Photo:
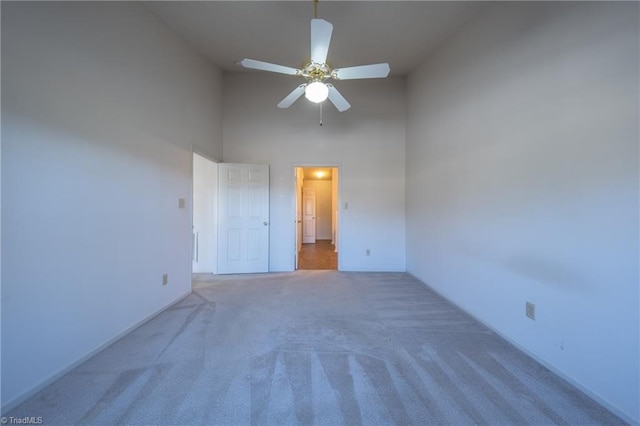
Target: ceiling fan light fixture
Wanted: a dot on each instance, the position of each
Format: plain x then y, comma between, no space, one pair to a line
316,70
316,92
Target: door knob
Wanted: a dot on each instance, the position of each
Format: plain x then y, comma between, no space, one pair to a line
265,223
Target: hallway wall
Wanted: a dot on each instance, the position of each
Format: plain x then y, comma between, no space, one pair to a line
522,184
101,105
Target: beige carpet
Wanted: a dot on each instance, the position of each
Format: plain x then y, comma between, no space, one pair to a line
312,347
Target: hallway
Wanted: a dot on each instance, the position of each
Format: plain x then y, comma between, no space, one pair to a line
320,255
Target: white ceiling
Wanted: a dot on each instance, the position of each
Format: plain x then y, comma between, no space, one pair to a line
401,33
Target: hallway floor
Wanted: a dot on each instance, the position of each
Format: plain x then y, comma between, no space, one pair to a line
312,347
320,255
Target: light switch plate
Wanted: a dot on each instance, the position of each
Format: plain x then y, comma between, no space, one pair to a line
531,310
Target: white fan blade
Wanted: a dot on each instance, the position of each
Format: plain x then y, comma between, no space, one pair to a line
320,39
337,99
362,71
292,97
266,66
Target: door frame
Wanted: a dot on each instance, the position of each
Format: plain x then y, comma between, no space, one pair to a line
296,199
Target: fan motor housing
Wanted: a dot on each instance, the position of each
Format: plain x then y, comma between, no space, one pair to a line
316,72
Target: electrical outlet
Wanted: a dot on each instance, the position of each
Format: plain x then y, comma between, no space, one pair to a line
368,252
531,310
165,279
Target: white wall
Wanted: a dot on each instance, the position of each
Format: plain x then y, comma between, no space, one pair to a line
522,184
367,142
323,207
100,108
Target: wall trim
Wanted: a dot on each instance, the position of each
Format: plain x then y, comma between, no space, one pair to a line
538,358
54,377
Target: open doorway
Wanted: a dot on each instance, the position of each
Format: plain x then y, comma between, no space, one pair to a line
316,212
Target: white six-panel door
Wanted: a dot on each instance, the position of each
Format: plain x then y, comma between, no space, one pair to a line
308,215
243,242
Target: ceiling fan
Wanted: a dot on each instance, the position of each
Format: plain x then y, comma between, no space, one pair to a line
317,71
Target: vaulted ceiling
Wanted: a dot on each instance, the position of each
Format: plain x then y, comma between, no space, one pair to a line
401,33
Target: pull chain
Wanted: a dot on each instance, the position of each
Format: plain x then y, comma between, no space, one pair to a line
321,113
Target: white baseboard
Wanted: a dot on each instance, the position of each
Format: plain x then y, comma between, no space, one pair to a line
590,393
28,394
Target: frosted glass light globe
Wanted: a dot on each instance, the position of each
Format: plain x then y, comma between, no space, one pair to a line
316,92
